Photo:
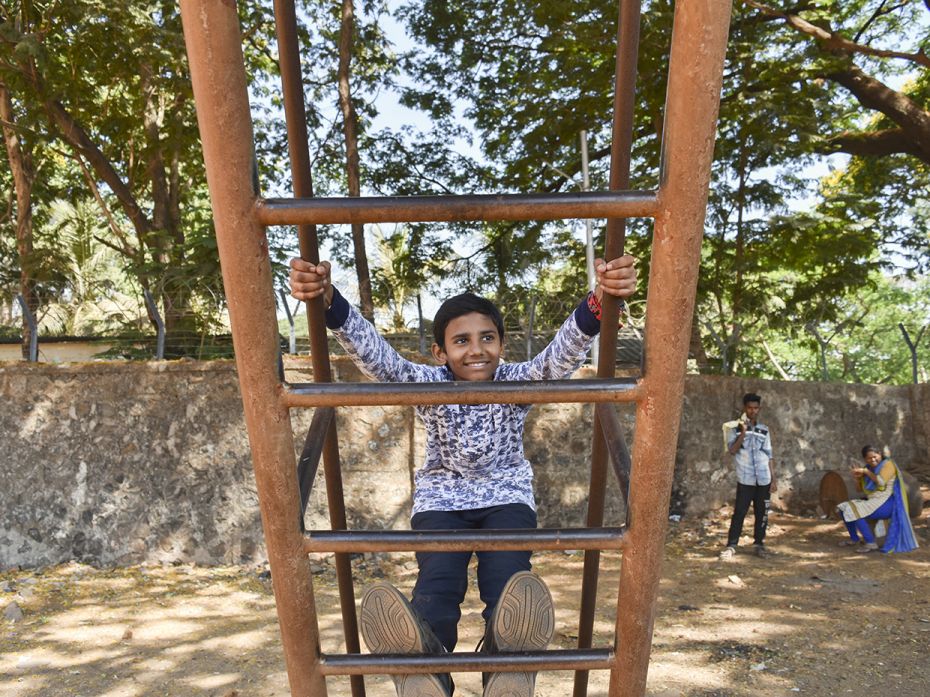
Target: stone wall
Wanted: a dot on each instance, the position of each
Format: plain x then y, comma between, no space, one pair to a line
113,463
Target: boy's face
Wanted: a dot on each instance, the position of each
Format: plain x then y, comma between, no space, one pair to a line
473,347
752,410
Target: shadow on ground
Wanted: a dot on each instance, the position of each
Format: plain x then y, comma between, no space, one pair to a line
799,622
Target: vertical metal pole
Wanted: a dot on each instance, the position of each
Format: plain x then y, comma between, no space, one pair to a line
421,329
621,144
212,35
699,41
588,232
299,152
530,322
589,235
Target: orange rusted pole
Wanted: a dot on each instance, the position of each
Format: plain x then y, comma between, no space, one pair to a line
214,49
699,43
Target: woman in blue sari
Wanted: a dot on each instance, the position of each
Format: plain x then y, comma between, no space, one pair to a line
885,504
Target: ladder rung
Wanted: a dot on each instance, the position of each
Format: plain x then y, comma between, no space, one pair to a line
423,209
463,540
366,394
396,664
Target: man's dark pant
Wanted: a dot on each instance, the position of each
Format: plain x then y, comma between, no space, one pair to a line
758,495
443,576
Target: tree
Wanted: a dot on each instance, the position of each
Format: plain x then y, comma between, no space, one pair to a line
19,156
866,30
859,48
350,127
407,263
127,118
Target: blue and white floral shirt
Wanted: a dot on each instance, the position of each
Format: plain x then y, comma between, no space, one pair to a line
474,453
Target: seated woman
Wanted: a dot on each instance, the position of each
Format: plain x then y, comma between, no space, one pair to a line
885,503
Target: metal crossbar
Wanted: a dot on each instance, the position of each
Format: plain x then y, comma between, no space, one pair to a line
214,46
367,394
463,540
399,663
457,207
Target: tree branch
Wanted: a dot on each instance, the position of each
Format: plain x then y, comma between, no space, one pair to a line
835,42
871,144
874,94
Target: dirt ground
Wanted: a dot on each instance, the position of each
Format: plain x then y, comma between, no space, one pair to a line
813,619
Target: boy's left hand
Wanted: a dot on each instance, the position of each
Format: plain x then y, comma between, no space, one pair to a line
616,277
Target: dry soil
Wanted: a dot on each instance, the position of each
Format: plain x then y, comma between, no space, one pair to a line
813,619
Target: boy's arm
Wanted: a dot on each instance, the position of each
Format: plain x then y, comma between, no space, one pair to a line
737,442
567,351
368,349
355,334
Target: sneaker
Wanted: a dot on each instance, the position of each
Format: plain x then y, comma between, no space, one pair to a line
868,547
761,551
523,620
728,553
389,624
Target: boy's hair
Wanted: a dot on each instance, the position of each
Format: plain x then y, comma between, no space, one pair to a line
464,304
866,449
751,397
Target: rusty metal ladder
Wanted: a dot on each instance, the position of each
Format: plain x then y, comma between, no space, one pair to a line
214,47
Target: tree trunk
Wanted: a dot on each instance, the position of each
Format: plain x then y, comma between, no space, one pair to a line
696,345
23,178
350,128
166,240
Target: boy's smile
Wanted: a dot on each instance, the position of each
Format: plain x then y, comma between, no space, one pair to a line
472,348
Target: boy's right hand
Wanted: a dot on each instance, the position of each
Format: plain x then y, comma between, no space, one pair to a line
310,280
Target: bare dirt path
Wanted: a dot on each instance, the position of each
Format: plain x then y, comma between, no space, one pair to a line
813,619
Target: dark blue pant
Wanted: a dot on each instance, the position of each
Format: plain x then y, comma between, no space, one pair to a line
758,496
443,576
862,526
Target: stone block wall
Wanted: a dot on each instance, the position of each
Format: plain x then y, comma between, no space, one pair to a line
115,463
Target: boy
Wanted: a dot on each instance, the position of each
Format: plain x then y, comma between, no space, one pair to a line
750,443
475,475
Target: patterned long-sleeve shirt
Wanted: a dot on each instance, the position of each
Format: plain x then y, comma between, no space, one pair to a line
474,453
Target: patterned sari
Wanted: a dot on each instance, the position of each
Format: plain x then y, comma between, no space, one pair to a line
899,533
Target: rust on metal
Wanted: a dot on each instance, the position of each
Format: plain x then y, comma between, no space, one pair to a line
699,41
620,155
364,394
309,459
214,49
463,540
218,75
299,151
399,663
423,209
616,446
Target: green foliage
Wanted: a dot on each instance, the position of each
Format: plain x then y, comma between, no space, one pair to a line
508,86
862,341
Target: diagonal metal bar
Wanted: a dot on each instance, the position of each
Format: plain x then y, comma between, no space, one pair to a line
465,662
425,209
462,540
412,393
310,456
616,446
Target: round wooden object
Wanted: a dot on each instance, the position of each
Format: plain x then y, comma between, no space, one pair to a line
837,486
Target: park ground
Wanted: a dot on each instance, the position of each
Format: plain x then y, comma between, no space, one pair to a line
812,619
